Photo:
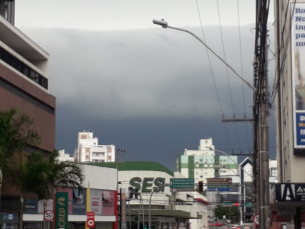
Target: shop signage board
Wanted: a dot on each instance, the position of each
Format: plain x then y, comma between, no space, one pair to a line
287,192
61,213
91,219
181,184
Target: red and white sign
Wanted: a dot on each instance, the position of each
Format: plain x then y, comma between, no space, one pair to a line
48,215
256,219
90,219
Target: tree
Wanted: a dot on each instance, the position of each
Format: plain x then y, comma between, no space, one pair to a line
231,212
15,135
40,174
31,172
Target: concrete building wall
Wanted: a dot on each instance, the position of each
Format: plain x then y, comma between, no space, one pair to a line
290,165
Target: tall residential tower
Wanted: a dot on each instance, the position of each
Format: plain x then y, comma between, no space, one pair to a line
88,149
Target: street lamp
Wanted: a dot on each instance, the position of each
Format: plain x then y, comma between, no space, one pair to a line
165,25
210,148
149,211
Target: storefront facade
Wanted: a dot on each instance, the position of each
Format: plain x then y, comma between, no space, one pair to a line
98,196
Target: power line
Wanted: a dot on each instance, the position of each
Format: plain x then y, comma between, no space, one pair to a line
212,74
242,73
227,74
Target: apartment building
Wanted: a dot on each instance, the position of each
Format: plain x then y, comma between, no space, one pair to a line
204,163
88,149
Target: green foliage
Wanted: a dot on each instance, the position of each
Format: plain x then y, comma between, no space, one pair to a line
15,135
230,212
34,172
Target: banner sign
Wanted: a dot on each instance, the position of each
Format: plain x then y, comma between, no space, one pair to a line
123,208
286,192
91,219
298,73
79,201
61,214
96,201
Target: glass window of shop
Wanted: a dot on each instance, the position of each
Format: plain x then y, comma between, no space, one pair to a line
9,220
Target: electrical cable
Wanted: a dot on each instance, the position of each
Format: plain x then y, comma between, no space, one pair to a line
212,74
227,74
242,73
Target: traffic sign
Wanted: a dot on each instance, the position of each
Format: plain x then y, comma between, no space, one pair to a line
256,219
48,215
248,204
181,184
219,186
219,181
227,203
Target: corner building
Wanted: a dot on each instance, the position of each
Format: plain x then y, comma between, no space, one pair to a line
23,85
287,200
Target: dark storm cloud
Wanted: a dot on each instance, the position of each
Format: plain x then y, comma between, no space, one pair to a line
148,91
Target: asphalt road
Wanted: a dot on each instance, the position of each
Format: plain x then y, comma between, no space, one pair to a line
228,226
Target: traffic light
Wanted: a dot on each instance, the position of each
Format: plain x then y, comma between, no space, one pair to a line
236,204
145,226
200,186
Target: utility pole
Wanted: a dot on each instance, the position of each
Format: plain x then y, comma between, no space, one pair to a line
261,113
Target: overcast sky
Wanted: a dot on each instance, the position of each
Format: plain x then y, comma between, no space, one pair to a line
148,90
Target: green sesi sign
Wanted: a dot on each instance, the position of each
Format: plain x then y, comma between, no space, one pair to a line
61,211
148,183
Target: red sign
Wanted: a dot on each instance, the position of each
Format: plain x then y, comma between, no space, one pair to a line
256,219
48,215
90,219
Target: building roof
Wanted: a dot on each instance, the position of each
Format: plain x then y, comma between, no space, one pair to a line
19,42
135,165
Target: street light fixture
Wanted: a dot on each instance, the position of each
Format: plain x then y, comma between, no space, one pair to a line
165,25
238,165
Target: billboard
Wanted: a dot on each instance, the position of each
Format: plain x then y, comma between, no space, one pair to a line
298,73
96,201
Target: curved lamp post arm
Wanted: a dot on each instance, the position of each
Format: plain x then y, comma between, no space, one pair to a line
231,160
165,25
149,211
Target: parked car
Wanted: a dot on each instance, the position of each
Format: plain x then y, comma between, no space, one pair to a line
218,224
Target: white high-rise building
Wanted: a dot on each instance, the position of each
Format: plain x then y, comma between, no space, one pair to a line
62,156
88,149
204,163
